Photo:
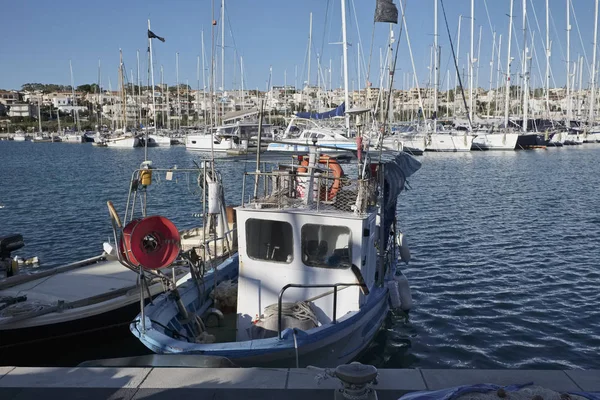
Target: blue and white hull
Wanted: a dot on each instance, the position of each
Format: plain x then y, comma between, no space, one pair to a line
327,345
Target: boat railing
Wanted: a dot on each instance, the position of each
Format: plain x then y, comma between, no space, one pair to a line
227,244
292,189
334,286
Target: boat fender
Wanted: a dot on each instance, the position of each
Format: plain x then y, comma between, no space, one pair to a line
404,289
403,247
394,294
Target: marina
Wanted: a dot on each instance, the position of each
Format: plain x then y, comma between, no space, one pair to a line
362,233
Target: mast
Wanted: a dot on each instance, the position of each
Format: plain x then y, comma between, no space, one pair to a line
153,96
122,92
57,117
203,80
345,48
197,96
548,58
40,112
508,62
162,98
478,62
525,70
498,74
222,56
309,48
100,100
471,61
243,96
568,62
456,61
74,98
435,64
133,95
139,84
491,70
593,79
178,100
580,94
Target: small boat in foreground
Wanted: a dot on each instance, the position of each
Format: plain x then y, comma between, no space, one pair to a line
314,277
94,300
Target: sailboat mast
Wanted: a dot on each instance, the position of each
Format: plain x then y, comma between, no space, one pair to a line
309,49
162,98
153,94
435,64
525,70
456,62
242,94
508,62
74,98
496,110
568,63
345,48
580,95
548,59
491,70
203,80
139,94
593,78
178,100
471,60
123,92
133,95
100,99
223,56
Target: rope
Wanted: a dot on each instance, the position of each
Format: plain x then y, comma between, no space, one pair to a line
300,311
23,308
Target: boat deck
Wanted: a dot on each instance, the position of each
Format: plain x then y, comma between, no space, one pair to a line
255,383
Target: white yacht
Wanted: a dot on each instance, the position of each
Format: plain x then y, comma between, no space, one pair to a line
302,132
157,140
228,138
72,137
456,140
21,136
495,141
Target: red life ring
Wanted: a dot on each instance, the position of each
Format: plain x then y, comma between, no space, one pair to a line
150,243
335,168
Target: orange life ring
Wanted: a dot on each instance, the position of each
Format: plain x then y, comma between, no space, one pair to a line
335,168
150,243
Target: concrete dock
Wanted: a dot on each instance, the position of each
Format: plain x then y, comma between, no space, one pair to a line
256,383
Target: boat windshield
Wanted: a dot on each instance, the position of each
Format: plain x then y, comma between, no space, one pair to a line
269,240
326,246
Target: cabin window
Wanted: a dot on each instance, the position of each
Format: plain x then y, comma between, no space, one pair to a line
269,240
326,246
193,142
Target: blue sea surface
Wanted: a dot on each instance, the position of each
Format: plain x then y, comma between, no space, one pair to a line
505,268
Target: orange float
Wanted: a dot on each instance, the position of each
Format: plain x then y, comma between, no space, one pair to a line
150,243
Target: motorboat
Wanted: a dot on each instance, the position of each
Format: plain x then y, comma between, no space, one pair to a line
301,133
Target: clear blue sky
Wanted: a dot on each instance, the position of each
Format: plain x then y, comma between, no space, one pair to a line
40,38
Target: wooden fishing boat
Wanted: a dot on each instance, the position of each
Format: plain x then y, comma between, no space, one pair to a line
315,274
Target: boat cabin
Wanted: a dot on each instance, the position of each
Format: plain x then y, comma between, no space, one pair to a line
289,236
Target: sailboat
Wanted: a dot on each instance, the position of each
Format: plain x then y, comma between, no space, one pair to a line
453,140
122,138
